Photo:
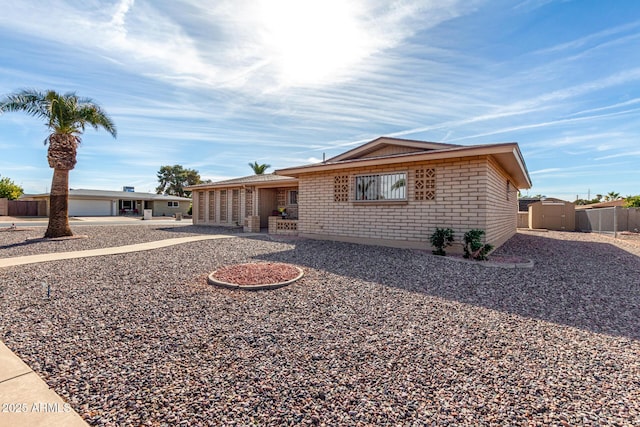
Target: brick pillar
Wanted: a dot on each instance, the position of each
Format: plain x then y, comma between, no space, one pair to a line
273,228
252,224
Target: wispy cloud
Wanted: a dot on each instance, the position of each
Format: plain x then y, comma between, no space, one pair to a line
215,85
590,39
632,153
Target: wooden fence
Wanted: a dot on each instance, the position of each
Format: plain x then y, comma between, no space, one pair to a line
23,207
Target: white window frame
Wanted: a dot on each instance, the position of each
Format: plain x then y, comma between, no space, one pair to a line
173,204
380,180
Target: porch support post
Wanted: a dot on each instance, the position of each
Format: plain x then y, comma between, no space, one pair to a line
252,224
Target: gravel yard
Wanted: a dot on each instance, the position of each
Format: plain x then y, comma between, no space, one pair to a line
369,336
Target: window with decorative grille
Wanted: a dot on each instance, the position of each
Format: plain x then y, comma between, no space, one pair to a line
390,186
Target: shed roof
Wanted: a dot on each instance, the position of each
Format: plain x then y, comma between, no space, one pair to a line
524,202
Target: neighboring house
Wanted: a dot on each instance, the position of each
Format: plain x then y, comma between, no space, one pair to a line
389,191
113,203
607,204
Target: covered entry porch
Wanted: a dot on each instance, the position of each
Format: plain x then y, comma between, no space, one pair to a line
253,202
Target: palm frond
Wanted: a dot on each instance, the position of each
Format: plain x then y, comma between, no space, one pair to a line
30,101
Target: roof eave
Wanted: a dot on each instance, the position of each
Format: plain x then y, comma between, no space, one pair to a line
502,152
257,184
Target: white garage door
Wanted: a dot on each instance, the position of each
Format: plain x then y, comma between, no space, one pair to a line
89,207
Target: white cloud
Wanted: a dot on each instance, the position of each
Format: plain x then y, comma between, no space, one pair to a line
262,44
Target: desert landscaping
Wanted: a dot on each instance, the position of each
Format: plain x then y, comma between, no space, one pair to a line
369,336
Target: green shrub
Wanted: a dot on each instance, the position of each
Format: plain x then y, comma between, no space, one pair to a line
473,247
441,238
632,202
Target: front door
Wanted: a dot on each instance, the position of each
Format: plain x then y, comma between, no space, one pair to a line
268,202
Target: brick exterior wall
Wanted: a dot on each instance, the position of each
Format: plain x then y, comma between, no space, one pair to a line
502,199
470,193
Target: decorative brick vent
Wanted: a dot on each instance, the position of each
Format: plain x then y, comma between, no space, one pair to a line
212,206
223,205
235,206
425,184
248,201
201,205
341,188
287,225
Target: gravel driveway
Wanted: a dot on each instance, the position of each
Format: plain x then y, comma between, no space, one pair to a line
370,335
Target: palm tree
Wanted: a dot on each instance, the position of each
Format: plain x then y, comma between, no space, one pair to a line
66,117
259,169
611,195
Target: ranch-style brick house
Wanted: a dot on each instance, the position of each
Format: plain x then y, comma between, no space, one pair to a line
389,191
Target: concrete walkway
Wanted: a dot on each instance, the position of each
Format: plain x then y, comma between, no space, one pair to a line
56,256
25,399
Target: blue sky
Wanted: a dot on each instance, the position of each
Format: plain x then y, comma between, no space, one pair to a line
214,85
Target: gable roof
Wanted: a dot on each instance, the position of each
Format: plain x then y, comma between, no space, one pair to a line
524,202
508,155
400,145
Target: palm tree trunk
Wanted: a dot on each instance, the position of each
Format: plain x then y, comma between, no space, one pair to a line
59,205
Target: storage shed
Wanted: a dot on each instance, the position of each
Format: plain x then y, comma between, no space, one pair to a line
552,214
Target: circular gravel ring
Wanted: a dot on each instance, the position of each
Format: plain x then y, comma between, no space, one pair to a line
263,286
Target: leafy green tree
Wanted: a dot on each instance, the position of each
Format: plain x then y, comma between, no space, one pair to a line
66,116
173,179
632,202
259,169
9,189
